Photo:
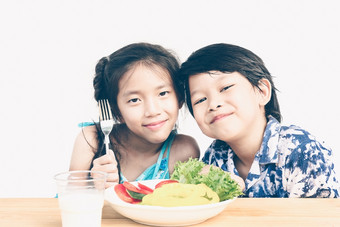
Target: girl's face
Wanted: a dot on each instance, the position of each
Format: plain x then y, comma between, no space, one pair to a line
147,102
225,105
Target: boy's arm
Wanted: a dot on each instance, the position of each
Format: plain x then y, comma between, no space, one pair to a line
312,174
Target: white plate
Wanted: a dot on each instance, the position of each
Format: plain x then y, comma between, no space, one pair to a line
163,216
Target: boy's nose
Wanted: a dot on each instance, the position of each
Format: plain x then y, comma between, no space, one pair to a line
212,108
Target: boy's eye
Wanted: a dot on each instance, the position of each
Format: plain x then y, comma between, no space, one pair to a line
226,88
163,93
133,100
200,100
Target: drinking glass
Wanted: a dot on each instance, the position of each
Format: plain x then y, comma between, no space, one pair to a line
81,197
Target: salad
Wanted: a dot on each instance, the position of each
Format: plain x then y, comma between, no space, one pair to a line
219,181
214,185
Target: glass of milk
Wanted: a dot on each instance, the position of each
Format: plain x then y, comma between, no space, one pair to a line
81,197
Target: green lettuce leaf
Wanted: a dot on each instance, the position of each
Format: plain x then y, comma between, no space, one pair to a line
218,180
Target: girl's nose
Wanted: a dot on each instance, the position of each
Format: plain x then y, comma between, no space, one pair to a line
152,108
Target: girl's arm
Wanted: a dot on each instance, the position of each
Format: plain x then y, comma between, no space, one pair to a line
84,150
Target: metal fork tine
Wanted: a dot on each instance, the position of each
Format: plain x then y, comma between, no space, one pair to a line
104,110
107,110
106,120
100,110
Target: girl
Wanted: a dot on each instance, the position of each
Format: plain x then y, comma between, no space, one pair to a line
233,99
138,80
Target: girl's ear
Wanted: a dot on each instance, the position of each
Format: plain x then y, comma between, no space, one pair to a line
121,119
265,89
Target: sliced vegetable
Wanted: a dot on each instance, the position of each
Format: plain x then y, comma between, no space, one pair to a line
165,182
142,186
124,195
136,195
133,188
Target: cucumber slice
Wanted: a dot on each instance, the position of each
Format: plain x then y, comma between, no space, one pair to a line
135,195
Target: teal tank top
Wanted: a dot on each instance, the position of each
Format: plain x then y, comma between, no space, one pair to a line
159,170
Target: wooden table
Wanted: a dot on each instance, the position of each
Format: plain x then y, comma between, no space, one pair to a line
242,212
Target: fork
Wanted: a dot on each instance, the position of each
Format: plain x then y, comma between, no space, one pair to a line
106,120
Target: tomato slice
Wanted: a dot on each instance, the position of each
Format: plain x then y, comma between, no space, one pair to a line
133,188
142,186
165,182
124,195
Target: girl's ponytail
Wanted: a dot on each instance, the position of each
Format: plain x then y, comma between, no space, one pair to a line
99,81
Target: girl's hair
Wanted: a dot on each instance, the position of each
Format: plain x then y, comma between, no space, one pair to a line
229,58
109,70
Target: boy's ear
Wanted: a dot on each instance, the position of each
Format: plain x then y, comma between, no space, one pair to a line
265,89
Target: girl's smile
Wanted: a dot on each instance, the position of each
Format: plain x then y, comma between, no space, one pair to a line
155,125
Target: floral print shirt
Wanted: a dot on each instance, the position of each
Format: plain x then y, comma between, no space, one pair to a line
290,163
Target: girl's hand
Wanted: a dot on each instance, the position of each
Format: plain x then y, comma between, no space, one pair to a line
239,180
107,163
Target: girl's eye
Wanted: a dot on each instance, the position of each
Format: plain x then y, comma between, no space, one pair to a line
199,101
163,93
133,100
226,88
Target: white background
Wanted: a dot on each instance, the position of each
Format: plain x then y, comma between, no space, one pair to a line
48,51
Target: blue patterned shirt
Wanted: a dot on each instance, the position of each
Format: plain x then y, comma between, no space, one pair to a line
290,163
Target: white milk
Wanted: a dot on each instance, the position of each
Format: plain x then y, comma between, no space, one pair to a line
81,209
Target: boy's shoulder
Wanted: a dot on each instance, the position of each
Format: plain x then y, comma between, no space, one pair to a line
293,130
291,134
297,135
297,141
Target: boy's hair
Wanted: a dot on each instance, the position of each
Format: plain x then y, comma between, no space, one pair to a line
229,58
109,70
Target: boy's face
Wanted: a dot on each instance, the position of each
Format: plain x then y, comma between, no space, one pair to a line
226,106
